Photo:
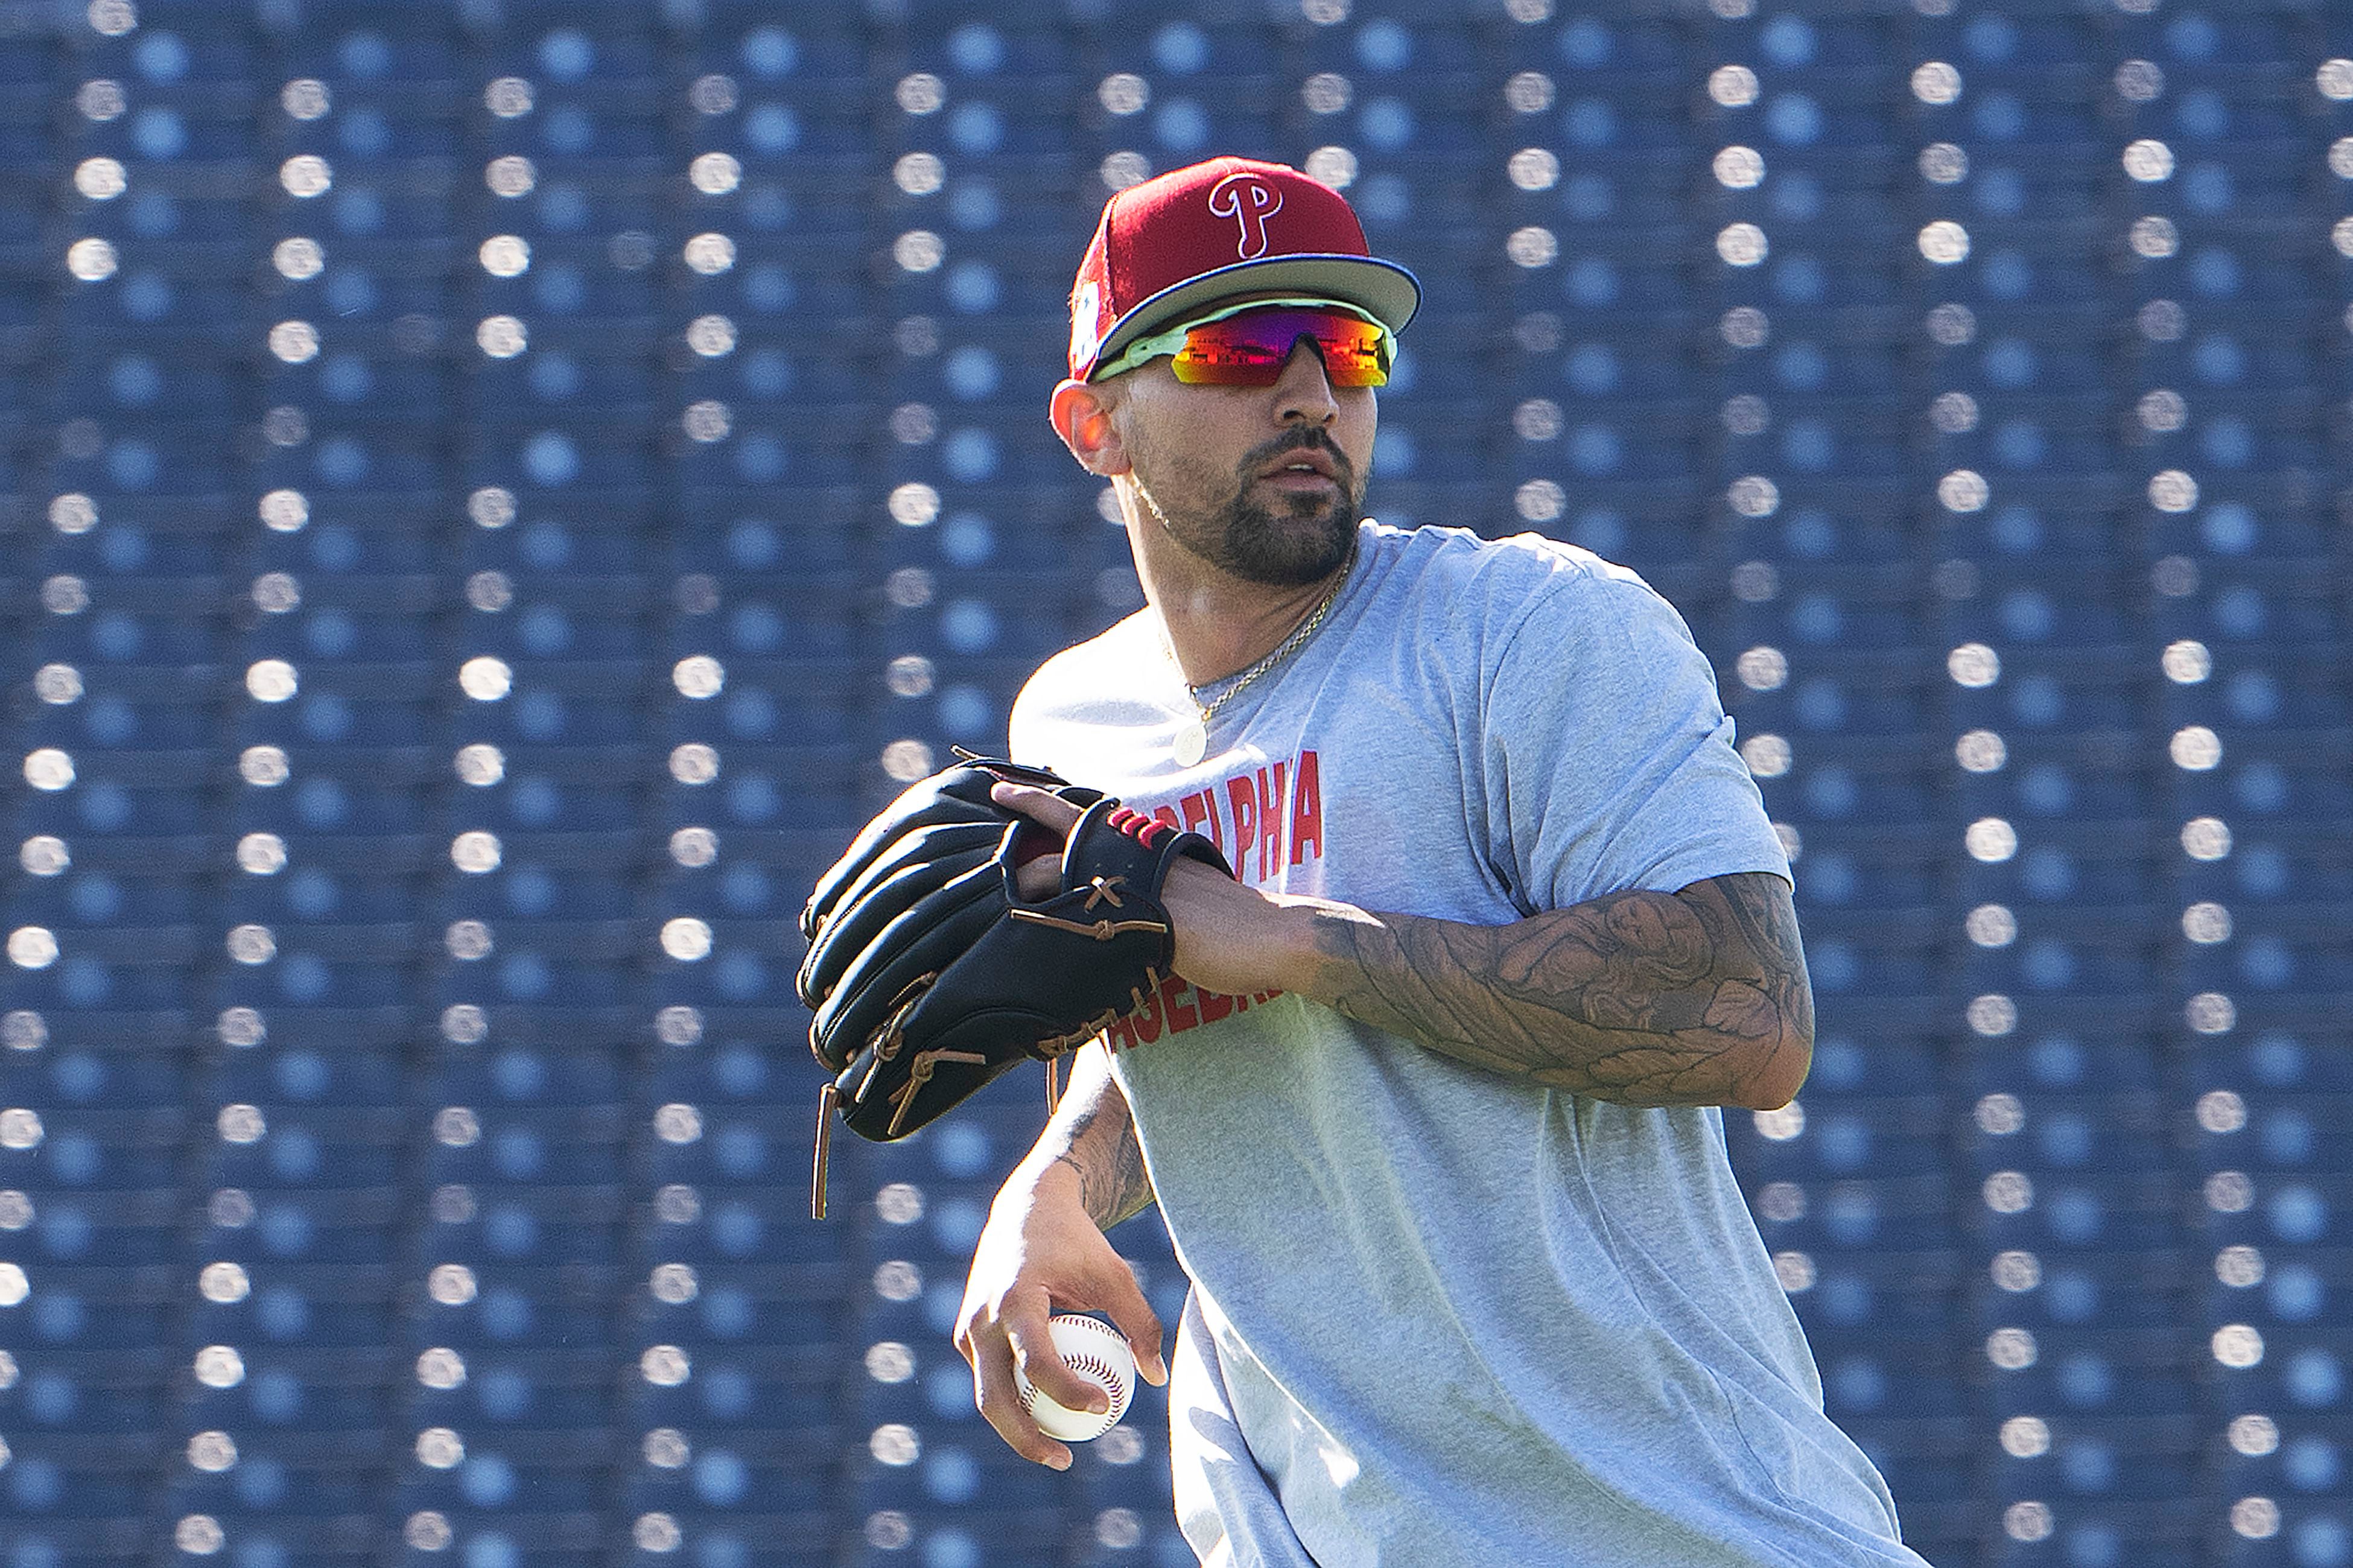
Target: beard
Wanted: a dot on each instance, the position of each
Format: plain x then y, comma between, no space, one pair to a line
1299,540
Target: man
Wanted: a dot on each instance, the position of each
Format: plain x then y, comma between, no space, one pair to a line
1432,1115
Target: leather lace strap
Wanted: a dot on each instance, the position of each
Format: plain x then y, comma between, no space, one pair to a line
918,1073
824,1148
1101,931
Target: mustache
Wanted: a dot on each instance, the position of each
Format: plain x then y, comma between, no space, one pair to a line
1303,438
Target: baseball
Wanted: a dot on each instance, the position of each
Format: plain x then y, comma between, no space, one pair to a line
1094,1349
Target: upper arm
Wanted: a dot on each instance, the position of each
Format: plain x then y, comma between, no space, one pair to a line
1610,762
1753,925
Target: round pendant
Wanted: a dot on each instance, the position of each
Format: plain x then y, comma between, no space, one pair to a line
1192,743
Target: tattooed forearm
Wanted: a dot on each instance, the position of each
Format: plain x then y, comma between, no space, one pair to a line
1095,1134
1692,998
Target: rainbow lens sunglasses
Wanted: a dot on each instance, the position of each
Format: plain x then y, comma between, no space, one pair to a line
1248,345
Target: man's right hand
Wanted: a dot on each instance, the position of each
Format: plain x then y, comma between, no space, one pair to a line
1040,1254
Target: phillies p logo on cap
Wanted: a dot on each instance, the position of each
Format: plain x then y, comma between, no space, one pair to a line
1248,197
1196,237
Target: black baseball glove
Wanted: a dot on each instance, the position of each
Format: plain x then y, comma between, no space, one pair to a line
931,975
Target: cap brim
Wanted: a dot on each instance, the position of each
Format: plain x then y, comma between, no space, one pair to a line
1383,289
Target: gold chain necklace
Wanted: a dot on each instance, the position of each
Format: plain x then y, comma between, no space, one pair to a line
1192,740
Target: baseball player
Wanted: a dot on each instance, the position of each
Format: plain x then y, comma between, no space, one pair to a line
1433,1114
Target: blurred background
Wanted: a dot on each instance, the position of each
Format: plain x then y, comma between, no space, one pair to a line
495,492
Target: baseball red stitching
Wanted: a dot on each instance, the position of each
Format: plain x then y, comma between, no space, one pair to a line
1111,1381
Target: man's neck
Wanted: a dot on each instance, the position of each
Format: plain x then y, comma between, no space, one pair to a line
1217,624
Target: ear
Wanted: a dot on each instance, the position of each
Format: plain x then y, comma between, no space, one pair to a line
1081,416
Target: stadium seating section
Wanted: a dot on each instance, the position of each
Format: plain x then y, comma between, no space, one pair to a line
496,489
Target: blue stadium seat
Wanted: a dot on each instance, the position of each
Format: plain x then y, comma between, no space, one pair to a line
762,1474
2299,1371
714,447
1876,874
2262,1060
1846,1137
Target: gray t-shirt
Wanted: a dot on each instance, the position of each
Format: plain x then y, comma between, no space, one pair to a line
1441,1318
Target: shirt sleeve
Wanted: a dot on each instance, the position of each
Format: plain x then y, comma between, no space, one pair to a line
1608,757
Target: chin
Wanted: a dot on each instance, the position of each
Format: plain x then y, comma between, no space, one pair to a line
1289,550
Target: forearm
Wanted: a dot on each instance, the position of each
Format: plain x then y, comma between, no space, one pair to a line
1092,1137
1645,998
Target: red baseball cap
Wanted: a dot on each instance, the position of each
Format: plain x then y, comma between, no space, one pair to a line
1195,235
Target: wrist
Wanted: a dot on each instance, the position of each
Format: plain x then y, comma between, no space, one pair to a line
1282,947
1042,1171
1231,938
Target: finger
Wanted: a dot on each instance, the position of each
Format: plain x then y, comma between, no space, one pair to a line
1133,1316
1041,806
1000,1402
964,1340
1034,1353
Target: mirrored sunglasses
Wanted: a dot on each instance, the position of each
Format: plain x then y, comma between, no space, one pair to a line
1248,345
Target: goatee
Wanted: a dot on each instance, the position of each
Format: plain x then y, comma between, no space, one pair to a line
1304,539
1304,544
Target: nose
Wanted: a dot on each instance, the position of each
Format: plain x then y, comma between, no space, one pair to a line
1303,393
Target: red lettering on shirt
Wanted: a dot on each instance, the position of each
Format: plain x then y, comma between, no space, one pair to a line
1178,1006
1270,821
1175,1006
1201,812
1269,809
1243,798
1306,809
